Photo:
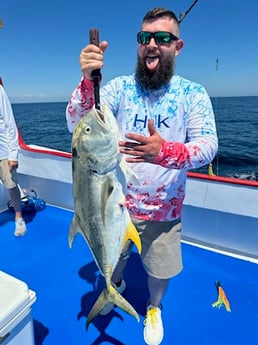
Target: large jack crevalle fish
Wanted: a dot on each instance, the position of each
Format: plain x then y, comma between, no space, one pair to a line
101,216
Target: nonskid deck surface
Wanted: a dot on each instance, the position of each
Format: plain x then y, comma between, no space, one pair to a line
67,284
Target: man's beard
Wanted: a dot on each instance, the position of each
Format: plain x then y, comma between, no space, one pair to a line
153,80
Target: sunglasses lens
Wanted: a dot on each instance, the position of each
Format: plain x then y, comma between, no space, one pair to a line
162,37
143,37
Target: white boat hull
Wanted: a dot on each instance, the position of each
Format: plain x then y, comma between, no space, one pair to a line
221,213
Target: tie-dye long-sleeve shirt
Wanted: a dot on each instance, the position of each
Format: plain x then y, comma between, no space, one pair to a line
184,118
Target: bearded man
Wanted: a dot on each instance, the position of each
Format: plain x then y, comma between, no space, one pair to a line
168,127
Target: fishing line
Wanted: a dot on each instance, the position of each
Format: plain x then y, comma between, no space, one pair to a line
216,110
212,276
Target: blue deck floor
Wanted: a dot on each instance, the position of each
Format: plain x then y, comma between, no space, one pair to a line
66,283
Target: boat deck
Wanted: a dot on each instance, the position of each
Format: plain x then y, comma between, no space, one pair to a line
67,283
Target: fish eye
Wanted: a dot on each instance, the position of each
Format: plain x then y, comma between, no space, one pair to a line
87,130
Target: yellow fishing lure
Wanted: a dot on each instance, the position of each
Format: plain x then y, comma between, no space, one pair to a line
222,298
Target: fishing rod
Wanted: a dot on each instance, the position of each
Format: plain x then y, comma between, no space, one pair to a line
94,39
184,14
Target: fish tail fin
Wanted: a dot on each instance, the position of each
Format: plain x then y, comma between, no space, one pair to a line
110,295
133,235
73,231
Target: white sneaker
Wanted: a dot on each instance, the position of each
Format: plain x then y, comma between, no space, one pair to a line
20,227
110,306
153,328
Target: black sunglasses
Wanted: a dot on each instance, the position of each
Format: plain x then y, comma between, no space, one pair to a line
160,37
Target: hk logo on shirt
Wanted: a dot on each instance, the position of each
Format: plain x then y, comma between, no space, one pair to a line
159,122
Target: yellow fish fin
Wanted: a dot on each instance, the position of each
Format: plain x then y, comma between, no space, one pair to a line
133,235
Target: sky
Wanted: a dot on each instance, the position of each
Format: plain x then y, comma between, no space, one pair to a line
41,40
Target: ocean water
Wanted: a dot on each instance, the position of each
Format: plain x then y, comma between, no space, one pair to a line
44,124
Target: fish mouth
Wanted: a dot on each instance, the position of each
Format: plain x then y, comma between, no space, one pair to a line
101,116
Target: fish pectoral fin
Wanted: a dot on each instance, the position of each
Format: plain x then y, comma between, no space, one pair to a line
74,229
110,295
130,175
133,235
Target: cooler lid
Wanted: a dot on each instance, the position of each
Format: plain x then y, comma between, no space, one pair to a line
14,296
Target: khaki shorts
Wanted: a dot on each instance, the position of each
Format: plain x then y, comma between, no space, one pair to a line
161,247
9,179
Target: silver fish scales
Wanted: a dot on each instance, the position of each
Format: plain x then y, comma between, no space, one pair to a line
101,216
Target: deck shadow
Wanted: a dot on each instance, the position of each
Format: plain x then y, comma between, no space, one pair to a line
40,332
8,216
136,294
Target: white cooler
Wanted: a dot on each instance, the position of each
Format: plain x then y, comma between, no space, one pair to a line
16,323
